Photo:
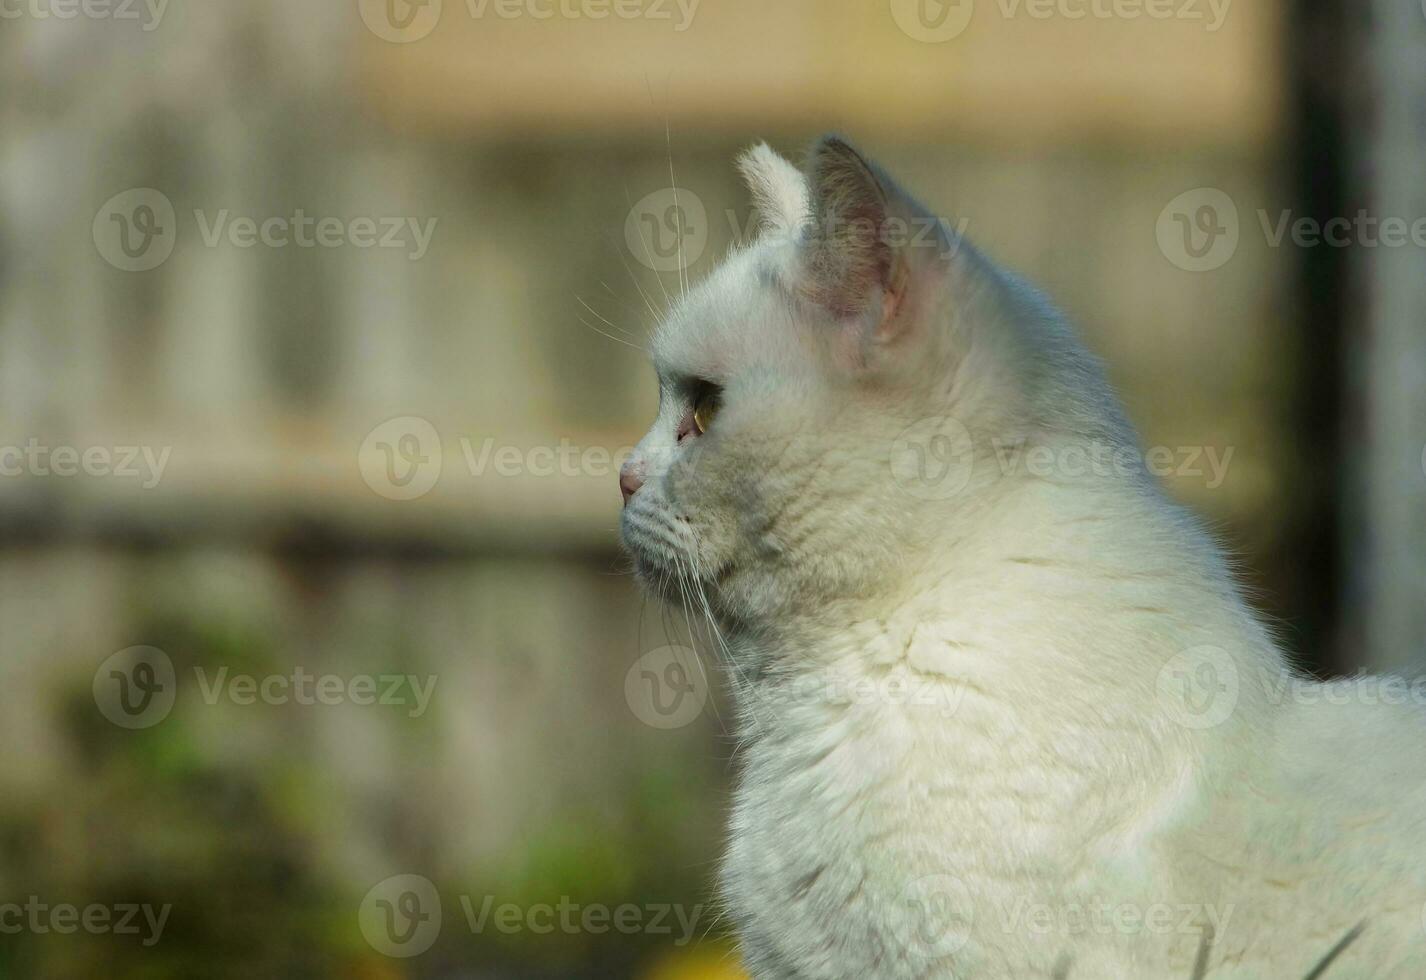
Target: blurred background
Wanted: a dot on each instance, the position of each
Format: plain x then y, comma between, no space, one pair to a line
319,330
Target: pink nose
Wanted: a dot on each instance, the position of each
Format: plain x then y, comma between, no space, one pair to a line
629,483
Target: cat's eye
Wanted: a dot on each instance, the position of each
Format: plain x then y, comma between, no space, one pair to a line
706,402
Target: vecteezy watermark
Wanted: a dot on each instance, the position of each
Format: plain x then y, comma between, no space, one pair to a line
137,230
678,12
401,458
1078,460
667,688
935,21
405,21
932,21
942,915
563,459
573,918
302,230
1200,230
1109,918
1064,968
668,230
147,13
1370,689
914,691
401,917
120,919
936,457
35,459
1362,230
400,21
137,687
1210,13
410,691
1198,688
933,459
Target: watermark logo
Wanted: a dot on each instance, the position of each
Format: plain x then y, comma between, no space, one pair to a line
1199,231
667,230
1211,13
683,10
401,459
935,21
401,916
120,919
1362,230
666,688
35,459
932,21
136,687
302,230
1107,918
149,13
136,230
934,458
409,691
571,918
400,21
1369,689
900,689
942,915
1082,460
1198,688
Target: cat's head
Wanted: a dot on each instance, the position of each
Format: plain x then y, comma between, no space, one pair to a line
822,386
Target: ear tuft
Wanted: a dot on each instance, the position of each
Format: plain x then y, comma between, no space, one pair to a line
849,261
779,190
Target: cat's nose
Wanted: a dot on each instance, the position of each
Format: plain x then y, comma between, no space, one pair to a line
629,482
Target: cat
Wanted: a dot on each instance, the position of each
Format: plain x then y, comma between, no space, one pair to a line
993,720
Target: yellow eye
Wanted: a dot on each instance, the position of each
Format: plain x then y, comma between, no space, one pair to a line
705,407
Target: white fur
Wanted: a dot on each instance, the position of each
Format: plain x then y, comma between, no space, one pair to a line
973,699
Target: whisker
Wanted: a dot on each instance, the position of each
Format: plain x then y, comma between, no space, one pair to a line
668,301
677,207
642,295
625,303
602,318
605,320
1337,950
610,336
687,618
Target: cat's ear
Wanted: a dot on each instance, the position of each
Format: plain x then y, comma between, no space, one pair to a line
854,262
779,190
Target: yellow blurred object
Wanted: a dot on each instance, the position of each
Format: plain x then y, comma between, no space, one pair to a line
707,962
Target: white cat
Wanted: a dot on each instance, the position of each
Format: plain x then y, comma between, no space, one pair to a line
1003,712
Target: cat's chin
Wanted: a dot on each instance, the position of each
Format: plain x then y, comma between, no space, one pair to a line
664,581
671,580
